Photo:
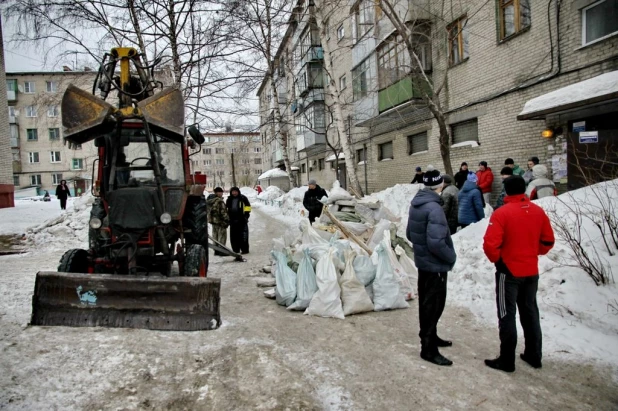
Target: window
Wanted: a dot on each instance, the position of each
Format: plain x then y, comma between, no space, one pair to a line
54,156
394,59
33,157
245,161
207,162
52,111
514,16
77,164
465,131
29,87
16,181
11,85
303,168
206,150
385,151
77,146
359,80
54,133
221,173
31,111
363,17
245,172
220,161
257,161
599,20
257,171
458,41
52,86
56,178
417,143
332,165
11,111
309,38
342,82
257,149
32,134
35,179
360,155
340,32
219,150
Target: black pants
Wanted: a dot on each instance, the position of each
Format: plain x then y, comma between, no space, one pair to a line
313,215
239,236
453,228
63,203
514,293
431,301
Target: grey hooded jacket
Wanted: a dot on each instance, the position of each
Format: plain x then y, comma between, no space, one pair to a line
540,186
429,233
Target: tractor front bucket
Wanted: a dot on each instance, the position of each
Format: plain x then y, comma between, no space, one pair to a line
165,113
85,116
102,300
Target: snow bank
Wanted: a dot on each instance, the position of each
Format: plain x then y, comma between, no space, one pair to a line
271,193
397,199
248,192
28,213
273,173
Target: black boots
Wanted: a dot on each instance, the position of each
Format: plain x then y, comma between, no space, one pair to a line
500,364
436,358
443,343
531,362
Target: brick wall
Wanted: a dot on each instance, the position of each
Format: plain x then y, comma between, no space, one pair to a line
6,169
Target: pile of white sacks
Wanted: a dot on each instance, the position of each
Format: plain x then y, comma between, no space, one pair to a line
334,277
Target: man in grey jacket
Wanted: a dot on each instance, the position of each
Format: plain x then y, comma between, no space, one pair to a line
434,256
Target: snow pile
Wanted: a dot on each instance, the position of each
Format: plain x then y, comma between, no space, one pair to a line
397,200
271,193
28,213
273,173
68,230
292,202
248,192
576,317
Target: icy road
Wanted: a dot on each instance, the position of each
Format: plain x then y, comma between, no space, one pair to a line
265,357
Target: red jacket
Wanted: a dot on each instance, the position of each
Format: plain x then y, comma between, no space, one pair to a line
517,234
486,179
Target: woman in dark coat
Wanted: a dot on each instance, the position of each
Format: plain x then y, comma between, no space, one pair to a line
62,192
461,175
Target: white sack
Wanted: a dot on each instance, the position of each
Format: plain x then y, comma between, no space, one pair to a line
338,193
405,286
364,269
306,284
309,235
378,233
407,263
353,295
356,228
386,293
286,280
326,302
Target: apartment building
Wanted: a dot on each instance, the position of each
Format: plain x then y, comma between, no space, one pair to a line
6,173
230,158
488,60
40,156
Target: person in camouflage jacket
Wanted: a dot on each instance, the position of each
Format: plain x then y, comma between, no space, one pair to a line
218,217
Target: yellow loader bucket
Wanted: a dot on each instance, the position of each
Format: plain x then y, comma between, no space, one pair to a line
102,300
85,116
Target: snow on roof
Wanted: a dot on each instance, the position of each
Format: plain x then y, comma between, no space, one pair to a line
332,157
596,89
275,172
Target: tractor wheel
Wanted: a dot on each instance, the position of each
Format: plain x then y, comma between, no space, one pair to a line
74,261
196,262
196,219
97,211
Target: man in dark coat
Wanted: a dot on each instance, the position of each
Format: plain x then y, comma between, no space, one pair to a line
434,256
462,175
517,271
311,201
505,173
239,210
62,193
418,177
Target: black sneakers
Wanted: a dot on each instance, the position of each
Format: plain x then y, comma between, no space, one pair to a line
531,362
436,358
498,364
443,343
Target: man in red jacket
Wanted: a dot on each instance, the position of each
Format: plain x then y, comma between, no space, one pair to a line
517,234
485,180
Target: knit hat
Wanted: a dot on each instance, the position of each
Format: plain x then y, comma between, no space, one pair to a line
472,177
509,161
418,169
234,189
506,171
483,163
312,182
514,185
447,179
432,177
218,190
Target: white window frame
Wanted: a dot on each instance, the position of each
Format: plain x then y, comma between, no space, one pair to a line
34,157
340,32
16,181
51,86
57,134
35,179
257,149
56,178
219,150
29,87
52,111
80,161
220,161
584,10
31,111
36,133
11,111
55,157
342,82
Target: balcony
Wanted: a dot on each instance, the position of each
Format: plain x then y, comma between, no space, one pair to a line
16,167
278,156
397,93
315,53
12,119
310,142
14,142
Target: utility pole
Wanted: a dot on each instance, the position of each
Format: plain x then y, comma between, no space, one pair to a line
233,172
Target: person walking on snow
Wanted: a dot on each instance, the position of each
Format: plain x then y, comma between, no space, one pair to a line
311,200
517,234
485,180
62,193
218,217
450,203
239,210
532,161
540,186
517,170
462,175
470,203
434,256
505,173
418,177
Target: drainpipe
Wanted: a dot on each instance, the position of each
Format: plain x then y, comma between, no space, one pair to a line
365,166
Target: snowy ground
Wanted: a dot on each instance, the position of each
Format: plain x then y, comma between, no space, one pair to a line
265,357
28,213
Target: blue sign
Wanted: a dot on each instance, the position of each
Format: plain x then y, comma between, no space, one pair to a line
579,126
586,137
